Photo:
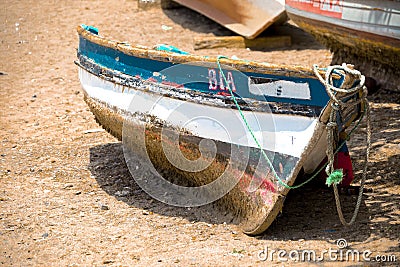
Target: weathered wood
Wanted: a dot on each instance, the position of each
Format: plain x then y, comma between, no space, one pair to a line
245,17
163,56
209,42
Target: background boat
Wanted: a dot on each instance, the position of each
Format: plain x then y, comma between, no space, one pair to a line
363,33
248,18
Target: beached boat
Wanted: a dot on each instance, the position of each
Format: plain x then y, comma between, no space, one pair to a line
248,18
198,129
366,33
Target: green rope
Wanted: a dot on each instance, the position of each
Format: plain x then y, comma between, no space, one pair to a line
335,177
262,150
249,127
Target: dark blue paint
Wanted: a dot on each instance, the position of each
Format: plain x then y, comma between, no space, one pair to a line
193,77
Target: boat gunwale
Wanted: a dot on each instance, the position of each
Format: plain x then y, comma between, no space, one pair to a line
176,58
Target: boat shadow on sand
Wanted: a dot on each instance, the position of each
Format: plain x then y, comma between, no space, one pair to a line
309,212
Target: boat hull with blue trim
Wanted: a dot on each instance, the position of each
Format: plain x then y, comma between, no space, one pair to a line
365,33
167,106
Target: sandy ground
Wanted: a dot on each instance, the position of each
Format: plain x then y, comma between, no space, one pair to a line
67,198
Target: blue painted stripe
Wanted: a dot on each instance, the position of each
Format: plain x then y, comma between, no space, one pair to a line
192,76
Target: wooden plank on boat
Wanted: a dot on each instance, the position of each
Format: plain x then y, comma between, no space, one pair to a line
209,42
247,18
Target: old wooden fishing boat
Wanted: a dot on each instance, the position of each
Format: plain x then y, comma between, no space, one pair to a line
248,18
198,129
366,33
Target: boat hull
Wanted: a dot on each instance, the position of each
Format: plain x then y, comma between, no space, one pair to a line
187,143
253,209
365,33
253,212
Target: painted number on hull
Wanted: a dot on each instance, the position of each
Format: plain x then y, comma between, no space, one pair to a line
330,8
331,5
216,81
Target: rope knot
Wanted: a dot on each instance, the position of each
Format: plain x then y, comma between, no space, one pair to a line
336,105
331,124
335,177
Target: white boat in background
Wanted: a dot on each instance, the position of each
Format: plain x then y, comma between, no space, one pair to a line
363,32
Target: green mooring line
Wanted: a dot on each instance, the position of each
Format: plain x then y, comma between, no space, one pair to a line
262,150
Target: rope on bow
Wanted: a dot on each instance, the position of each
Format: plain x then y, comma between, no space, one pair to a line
337,105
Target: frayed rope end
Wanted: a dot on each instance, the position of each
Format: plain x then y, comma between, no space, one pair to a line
335,177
